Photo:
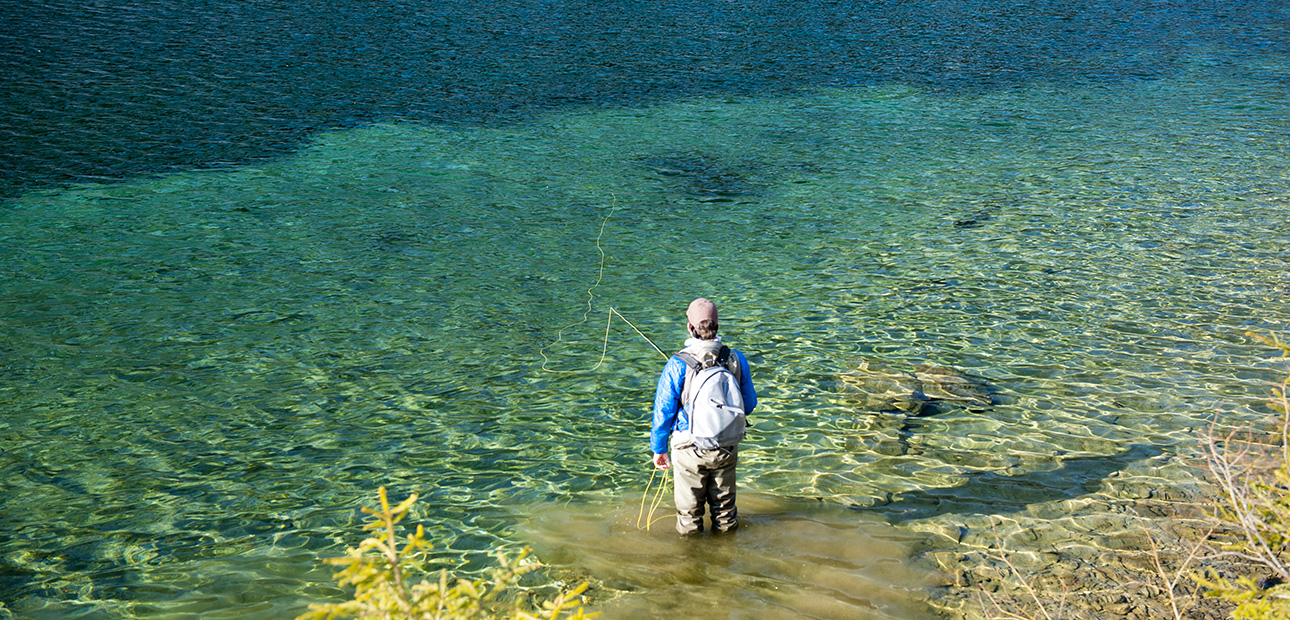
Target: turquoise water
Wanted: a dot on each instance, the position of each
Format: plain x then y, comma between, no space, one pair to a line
207,372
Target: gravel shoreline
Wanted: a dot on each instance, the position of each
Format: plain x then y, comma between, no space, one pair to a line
1099,562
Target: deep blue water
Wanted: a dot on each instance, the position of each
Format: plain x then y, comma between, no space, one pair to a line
109,90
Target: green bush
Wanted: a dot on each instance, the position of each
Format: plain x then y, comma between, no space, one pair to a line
378,571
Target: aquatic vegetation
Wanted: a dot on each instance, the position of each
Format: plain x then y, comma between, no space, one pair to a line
378,570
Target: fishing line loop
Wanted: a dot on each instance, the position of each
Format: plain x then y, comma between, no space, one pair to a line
604,352
653,506
591,298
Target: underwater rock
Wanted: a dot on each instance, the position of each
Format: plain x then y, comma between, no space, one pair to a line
926,390
877,387
947,385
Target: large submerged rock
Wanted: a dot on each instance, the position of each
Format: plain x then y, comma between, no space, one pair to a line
924,390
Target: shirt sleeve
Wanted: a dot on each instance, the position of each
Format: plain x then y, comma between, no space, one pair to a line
746,385
667,404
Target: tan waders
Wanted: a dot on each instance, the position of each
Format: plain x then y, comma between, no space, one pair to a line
705,477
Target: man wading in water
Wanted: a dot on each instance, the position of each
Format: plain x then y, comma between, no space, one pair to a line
703,395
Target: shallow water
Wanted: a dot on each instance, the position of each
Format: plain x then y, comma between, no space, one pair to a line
206,372
789,559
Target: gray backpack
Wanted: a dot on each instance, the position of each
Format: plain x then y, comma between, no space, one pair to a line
713,400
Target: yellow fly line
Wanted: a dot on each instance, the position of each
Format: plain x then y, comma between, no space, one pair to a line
658,499
591,298
604,352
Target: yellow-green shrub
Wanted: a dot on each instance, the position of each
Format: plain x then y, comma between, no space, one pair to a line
378,571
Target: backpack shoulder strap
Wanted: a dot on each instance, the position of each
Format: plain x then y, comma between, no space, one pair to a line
690,361
726,358
723,356
692,367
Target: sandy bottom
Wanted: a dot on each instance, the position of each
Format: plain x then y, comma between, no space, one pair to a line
788,560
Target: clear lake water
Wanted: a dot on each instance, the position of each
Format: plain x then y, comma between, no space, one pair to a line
261,259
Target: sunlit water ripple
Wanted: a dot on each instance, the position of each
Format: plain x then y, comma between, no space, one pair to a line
206,372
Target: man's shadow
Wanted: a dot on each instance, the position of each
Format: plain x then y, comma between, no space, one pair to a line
994,493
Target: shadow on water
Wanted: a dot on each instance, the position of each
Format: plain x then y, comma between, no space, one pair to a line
994,493
97,91
788,560
703,176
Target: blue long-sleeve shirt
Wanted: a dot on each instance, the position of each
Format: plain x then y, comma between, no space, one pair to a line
668,414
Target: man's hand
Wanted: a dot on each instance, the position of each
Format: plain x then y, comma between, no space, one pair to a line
661,461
